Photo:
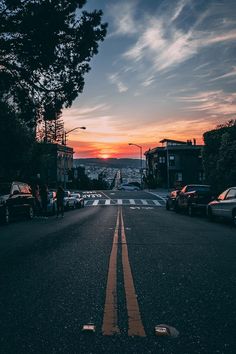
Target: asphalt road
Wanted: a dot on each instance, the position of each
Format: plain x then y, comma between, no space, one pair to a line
125,266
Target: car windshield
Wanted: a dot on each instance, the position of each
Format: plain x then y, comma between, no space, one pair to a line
5,188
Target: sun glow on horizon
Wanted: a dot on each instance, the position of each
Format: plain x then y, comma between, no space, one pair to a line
104,156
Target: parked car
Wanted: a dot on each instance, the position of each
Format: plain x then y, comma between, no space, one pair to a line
193,197
171,199
16,199
128,187
79,200
69,201
224,206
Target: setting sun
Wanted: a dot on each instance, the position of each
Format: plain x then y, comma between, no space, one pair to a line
104,156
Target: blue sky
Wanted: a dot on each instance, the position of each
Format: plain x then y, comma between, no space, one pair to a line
166,69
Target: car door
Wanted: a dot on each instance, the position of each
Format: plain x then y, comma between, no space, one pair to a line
219,206
229,202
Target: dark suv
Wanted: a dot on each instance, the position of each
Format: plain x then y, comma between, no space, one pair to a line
15,199
193,197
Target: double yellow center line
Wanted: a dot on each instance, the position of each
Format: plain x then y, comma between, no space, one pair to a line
110,318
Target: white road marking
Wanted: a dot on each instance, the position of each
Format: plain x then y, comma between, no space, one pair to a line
107,196
156,202
129,202
144,201
158,195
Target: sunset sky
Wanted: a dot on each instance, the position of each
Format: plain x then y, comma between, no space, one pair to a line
167,69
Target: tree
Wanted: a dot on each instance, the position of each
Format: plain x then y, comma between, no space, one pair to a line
219,156
51,131
45,50
16,144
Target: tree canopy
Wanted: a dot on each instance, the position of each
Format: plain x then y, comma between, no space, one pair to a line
219,156
45,50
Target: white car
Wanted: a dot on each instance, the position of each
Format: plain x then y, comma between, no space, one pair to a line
69,201
224,206
79,200
129,187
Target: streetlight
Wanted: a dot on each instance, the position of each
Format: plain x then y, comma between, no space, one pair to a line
64,164
141,161
69,131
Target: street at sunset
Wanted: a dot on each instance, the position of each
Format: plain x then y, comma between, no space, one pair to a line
117,177
55,279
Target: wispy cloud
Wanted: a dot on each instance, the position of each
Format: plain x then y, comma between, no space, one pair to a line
80,112
230,74
215,103
178,9
124,18
115,79
165,45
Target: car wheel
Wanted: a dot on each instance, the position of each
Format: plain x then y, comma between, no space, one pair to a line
190,210
30,212
234,217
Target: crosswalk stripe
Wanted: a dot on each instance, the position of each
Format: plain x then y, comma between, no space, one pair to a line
156,202
144,202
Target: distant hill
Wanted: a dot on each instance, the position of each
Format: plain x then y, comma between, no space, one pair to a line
111,162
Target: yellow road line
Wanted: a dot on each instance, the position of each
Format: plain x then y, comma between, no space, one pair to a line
134,318
110,326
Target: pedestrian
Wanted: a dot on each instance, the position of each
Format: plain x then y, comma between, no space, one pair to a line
60,201
44,199
37,200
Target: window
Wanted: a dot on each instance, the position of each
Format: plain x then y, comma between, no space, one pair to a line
201,176
15,188
179,177
24,188
162,159
172,160
222,195
231,194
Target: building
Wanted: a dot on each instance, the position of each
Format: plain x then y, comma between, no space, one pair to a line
55,162
174,164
